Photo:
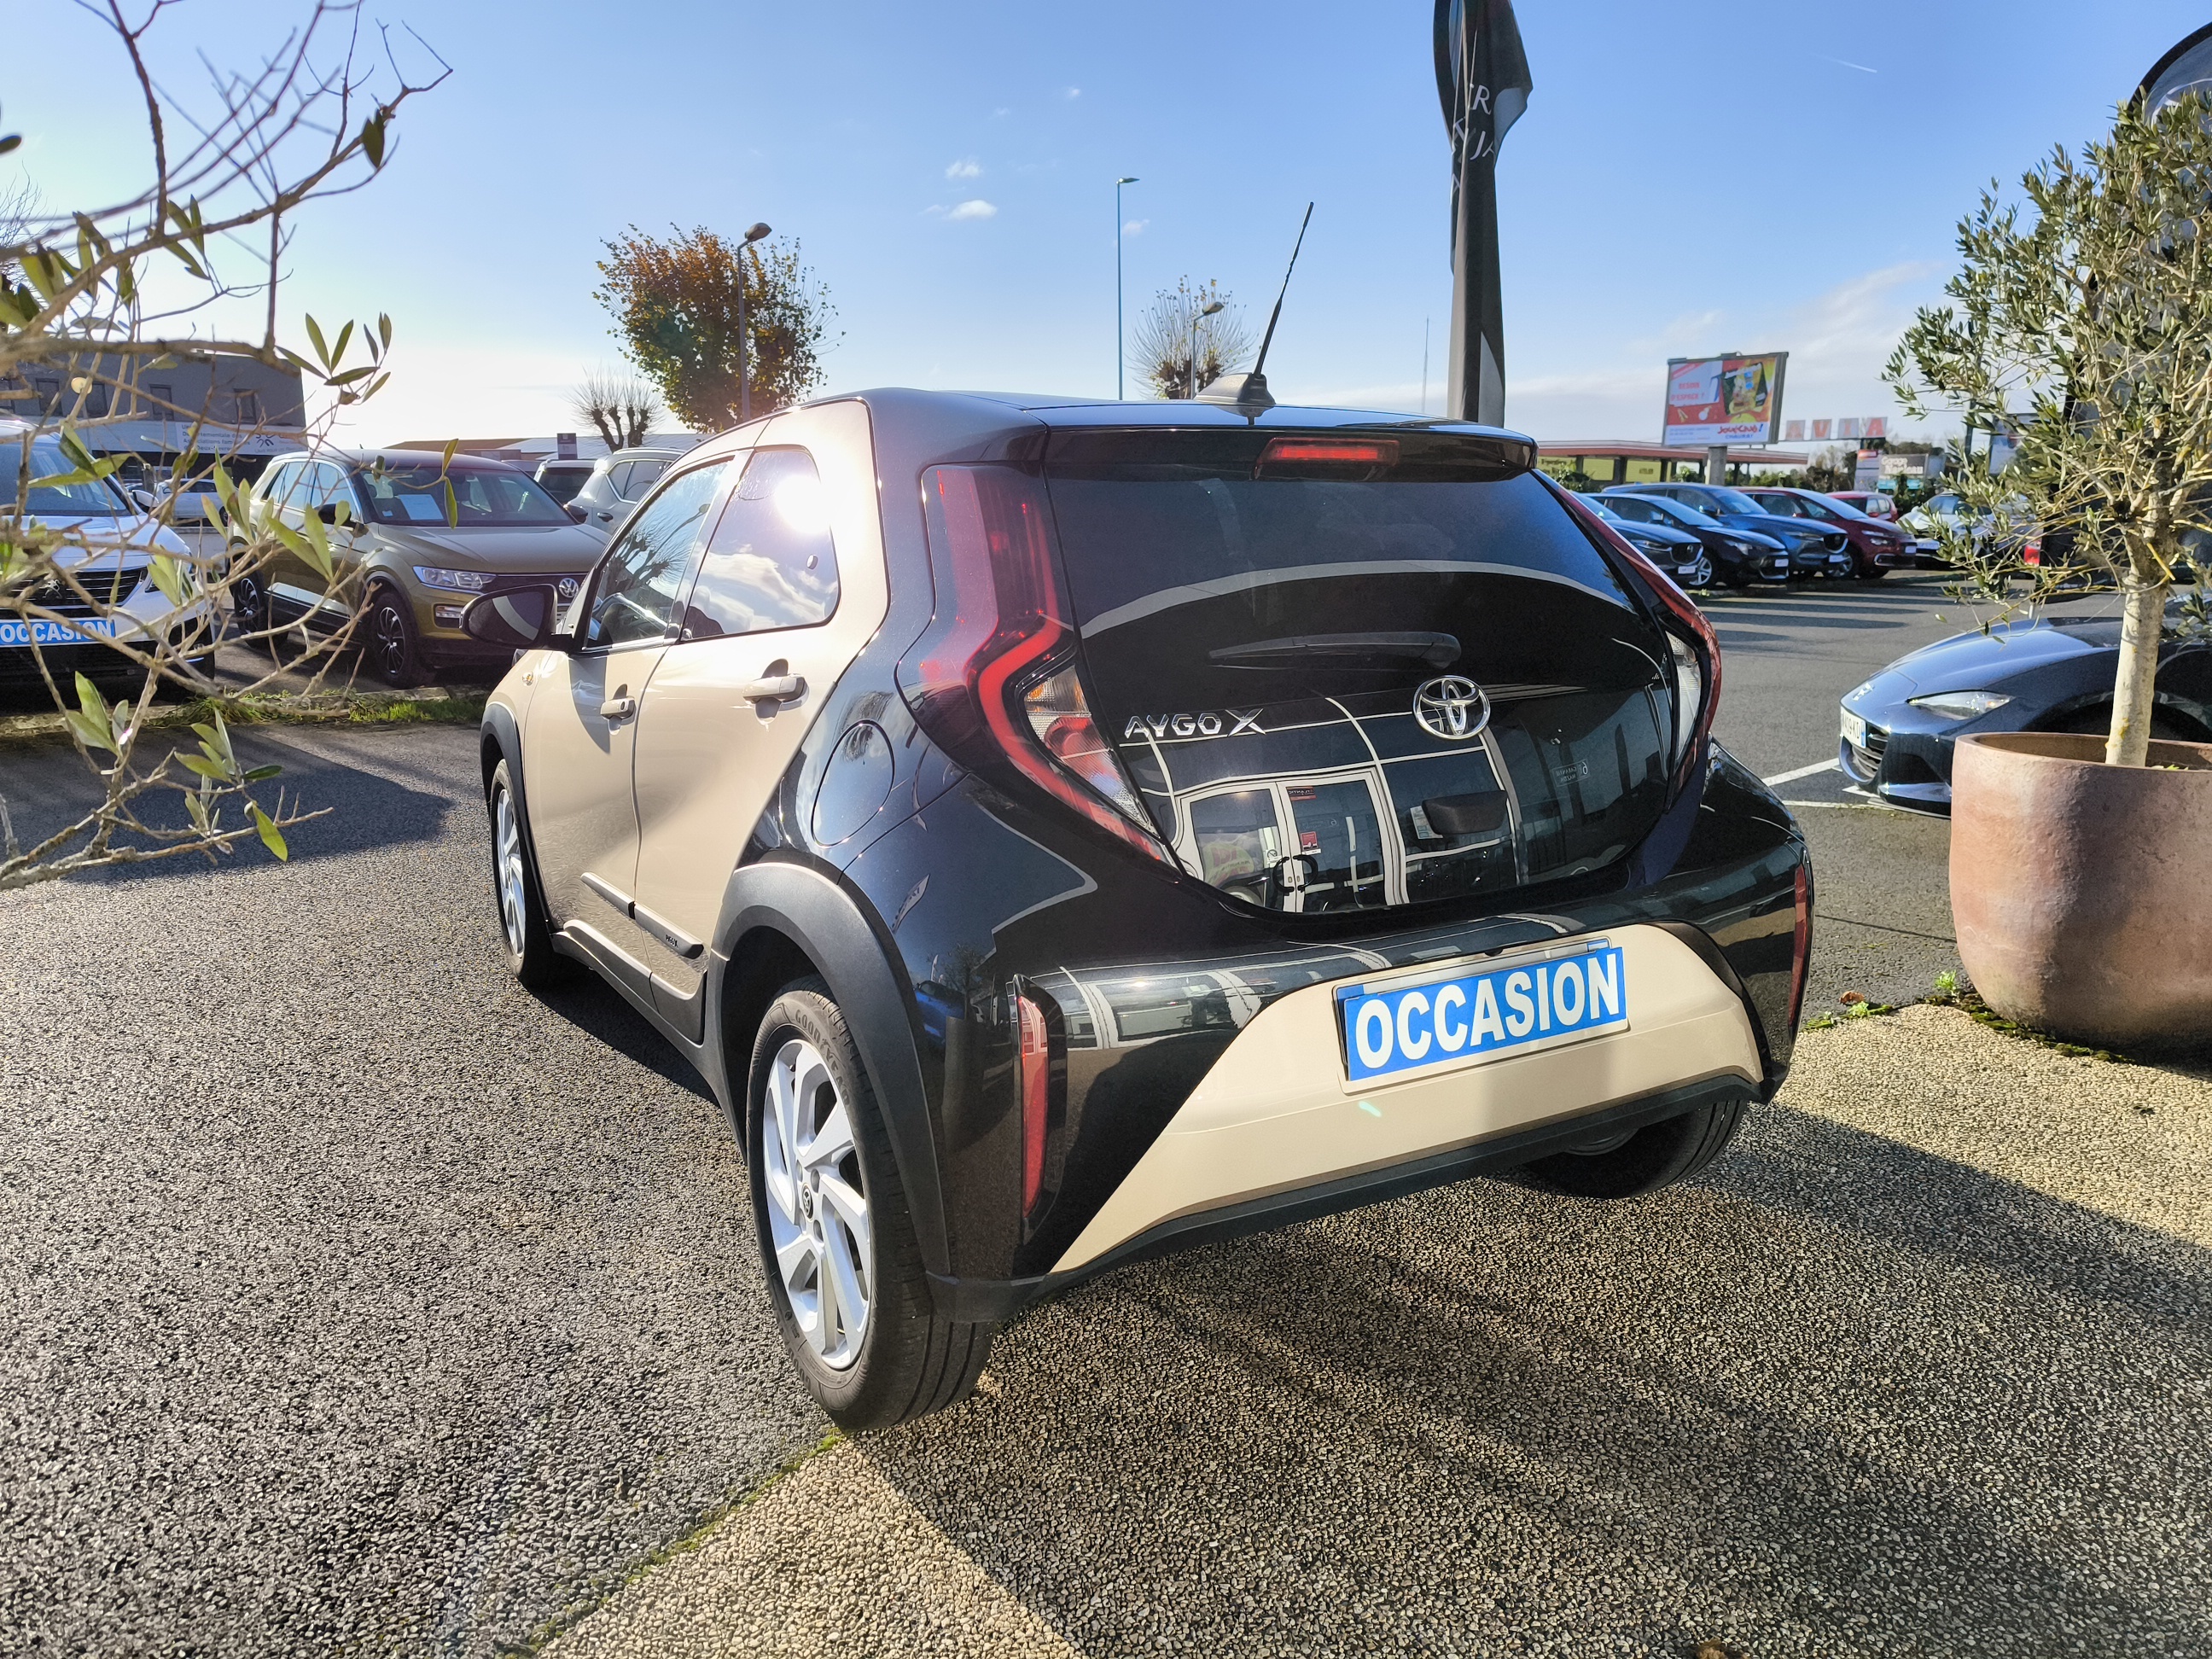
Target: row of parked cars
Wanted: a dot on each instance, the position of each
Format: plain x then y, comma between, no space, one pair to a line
1704,534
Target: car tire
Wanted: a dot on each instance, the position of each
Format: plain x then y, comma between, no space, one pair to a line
828,1200
523,925
249,606
1872,573
391,649
1657,1155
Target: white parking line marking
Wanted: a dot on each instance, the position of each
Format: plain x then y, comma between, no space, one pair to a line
1828,765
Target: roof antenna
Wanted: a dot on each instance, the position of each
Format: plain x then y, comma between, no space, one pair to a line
1249,391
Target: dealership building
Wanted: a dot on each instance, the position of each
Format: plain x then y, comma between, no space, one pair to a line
1606,461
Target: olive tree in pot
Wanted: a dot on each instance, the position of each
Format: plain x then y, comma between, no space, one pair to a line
2077,861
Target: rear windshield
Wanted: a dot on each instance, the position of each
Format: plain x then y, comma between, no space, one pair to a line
1141,537
464,497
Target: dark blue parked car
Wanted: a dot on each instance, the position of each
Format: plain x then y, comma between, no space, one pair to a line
1815,549
2049,673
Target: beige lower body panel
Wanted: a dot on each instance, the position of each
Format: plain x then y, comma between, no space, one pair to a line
1276,1114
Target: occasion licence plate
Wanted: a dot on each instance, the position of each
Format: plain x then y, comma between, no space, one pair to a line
26,631
1523,1004
1854,729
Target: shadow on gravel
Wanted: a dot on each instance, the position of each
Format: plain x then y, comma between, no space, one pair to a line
47,785
595,1008
1843,1398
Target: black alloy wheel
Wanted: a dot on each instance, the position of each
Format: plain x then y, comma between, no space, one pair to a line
391,651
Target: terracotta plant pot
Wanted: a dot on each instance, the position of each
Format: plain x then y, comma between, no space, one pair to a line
2080,890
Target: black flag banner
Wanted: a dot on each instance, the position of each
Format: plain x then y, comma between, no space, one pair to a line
1482,76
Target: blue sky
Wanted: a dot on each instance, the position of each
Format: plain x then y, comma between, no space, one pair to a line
1691,177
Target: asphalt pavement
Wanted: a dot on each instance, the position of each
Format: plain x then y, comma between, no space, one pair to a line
359,1302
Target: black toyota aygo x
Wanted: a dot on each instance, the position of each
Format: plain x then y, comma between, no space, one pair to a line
1062,832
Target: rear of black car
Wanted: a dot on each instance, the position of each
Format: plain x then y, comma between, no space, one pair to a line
1236,711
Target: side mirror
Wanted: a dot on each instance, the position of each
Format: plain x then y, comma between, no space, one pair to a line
579,512
328,512
521,619
143,500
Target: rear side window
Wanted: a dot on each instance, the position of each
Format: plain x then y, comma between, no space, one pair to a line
1142,537
769,563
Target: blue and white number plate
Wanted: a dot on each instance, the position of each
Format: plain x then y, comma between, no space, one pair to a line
1521,1004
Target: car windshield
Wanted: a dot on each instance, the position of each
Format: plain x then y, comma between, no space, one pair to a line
1603,509
1729,501
1829,507
1682,514
467,498
1943,504
95,498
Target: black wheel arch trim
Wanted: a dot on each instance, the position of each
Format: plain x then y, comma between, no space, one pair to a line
839,933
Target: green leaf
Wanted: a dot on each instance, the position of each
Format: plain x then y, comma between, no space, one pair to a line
272,837
260,772
89,700
168,578
338,351
372,137
322,346
212,770
11,142
91,734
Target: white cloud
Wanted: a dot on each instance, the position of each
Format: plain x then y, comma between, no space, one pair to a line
976,208
1135,226
1002,109
1073,92
966,168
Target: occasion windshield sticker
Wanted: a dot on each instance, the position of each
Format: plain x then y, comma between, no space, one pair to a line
1477,1016
18,631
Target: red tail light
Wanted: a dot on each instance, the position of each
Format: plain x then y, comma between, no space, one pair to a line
992,678
2032,553
1037,1098
1695,631
1800,946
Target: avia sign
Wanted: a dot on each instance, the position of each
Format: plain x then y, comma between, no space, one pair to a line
1723,400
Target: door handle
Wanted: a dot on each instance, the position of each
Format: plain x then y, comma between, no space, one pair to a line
617,709
777,688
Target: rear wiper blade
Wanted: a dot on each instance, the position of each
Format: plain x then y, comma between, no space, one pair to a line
1436,650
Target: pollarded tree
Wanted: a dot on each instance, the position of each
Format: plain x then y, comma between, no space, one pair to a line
2092,308
622,408
675,306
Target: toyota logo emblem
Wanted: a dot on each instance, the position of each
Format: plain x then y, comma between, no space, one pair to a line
1452,708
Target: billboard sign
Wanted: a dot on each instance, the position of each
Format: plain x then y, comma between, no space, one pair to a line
1723,400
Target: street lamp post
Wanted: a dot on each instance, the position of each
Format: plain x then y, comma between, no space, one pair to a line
1119,389
1196,318
745,335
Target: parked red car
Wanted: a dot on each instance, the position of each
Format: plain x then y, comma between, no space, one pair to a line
1872,502
1877,548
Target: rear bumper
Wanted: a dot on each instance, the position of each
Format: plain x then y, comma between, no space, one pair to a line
972,1299
1275,1115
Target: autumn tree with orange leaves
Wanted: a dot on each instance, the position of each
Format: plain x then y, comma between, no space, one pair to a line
675,306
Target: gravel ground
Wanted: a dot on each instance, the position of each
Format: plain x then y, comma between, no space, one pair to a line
1850,1395
356,1300
359,1302
831,1559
